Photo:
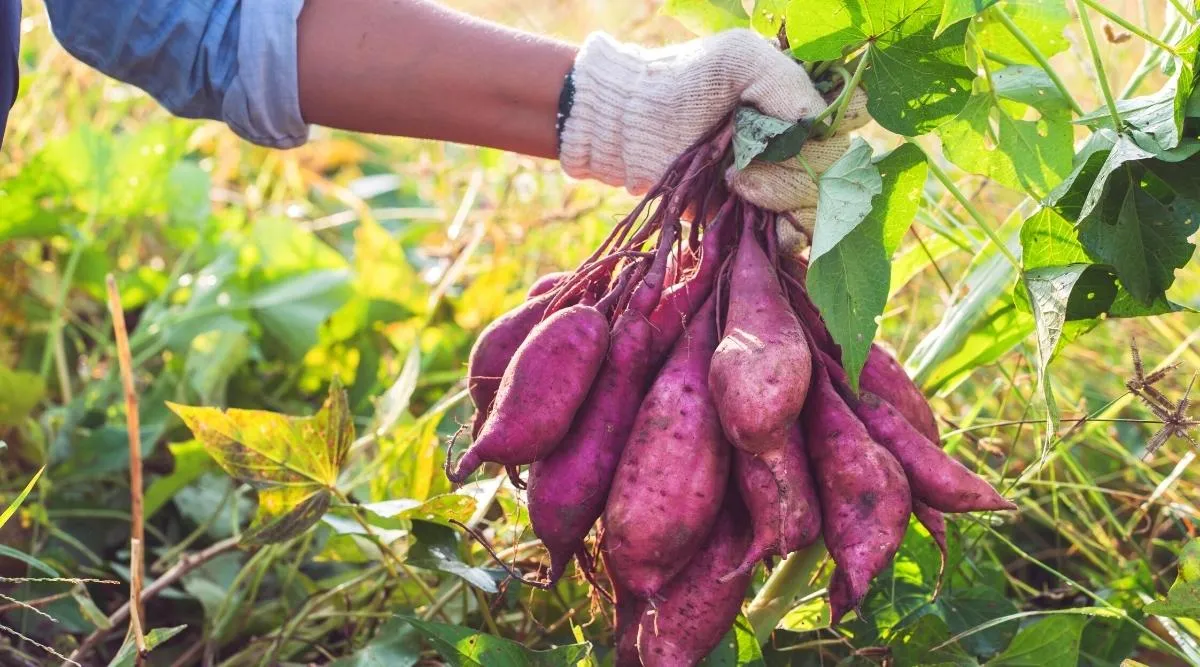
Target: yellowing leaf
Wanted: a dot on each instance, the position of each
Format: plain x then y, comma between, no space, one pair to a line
293,462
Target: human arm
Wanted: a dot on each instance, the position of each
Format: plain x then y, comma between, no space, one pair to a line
418,69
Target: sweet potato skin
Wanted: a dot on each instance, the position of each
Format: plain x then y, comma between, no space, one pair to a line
673,474
762,367
493,351
545,283
696,609
865,498
548,379
778,490
936,478
883,376
569,488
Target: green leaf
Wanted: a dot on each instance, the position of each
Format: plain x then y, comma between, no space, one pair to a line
1049,242
1042,21
915,645
9,552
738,648
844,197
88,608
989,136
127,656
968,608
293,462
954,11
916,77
1161,115
190,463
1135,213
1183,600
1051,642
16,502
435,547
767,16
705,17
394,402
863,211
395,645
464,647
758,135
394,514
1061,293
20,392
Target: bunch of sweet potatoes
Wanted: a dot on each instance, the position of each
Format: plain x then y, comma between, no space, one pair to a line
681,393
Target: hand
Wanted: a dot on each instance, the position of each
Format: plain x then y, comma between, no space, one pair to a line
636,110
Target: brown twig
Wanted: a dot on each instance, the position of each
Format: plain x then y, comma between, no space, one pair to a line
177,571
137,540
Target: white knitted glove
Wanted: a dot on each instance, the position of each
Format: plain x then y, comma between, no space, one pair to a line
636,110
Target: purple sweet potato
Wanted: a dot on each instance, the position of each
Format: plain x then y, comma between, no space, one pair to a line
569,488
865,499
779,492
935,477
546,283
493,351
542,388
696,609
672,476
885,377
935,522
762,367
625,633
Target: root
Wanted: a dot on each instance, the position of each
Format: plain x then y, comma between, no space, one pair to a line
543,585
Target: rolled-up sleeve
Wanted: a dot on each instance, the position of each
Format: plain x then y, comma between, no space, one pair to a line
225,60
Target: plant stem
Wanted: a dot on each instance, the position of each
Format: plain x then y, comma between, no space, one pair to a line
787,582
137,539
850,86
948,183
1147,65
56,317
1124,23
1040,57
1102,75
1183,11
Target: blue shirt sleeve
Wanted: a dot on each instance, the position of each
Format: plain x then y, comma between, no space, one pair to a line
225,60
10,40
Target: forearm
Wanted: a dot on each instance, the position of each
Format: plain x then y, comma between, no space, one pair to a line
416,69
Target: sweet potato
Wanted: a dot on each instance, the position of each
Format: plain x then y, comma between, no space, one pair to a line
762,367
548,379
569,488
625,633
673,473
493,351
546,283
883,376
935,477
935,522
865,499
782,499
696,609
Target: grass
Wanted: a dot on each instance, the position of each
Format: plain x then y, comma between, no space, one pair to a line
210,234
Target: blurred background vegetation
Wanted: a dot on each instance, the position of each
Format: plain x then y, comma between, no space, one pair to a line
250,278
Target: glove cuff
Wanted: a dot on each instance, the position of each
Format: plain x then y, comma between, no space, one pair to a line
606,76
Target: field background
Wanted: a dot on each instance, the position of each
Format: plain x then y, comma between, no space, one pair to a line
251,278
